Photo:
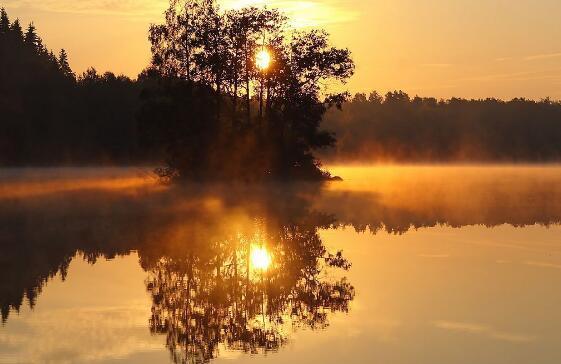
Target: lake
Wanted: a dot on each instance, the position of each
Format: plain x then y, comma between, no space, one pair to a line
396,264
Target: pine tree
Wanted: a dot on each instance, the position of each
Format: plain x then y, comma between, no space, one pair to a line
63,64
4,22
31,38
52,59
16,31
41,49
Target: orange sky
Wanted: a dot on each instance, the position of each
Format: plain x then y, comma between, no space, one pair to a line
442,48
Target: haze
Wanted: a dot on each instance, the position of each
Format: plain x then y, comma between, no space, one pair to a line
435,48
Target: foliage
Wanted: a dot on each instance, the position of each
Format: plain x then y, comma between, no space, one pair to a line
265,122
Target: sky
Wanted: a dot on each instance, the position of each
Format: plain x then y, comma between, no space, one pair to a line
440,48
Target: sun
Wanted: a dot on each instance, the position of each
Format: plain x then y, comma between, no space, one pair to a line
263,59
260,258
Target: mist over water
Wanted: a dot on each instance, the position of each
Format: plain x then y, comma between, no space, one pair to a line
421,263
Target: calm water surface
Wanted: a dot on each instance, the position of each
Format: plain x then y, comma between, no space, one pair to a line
394,265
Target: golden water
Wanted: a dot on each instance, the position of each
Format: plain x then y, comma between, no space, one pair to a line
456,264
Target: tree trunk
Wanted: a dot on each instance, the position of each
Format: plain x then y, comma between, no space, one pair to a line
248,96
235,105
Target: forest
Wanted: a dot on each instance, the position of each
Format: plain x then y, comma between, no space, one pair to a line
51,116
205,108
400,128
228,95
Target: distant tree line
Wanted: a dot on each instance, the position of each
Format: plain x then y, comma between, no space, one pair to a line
48,115
399,128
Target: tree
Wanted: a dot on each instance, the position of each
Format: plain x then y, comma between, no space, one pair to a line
16,32
64,66
4,22
31,39
375,98
283,105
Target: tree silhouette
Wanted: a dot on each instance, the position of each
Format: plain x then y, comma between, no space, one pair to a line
64,65
16,32
31,38
215,51
4,21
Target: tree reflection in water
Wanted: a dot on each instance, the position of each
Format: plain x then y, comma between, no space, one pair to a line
210,295
194,243
207,292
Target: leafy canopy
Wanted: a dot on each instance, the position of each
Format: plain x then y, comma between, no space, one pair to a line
224,116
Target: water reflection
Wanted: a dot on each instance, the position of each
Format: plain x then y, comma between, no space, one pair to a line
397,199
222,273
231,292
239,268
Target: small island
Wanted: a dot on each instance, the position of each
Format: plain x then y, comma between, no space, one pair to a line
239,95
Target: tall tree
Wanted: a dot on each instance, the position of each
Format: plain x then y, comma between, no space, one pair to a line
4,22
221,58
16,32
64,66
31,38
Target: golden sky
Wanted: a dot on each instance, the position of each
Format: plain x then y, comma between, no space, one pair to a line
442,48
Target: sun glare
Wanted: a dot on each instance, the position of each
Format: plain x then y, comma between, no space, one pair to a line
263,59
260,258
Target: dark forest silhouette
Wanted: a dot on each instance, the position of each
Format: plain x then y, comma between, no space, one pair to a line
204,106
400,128
50,116
203,109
